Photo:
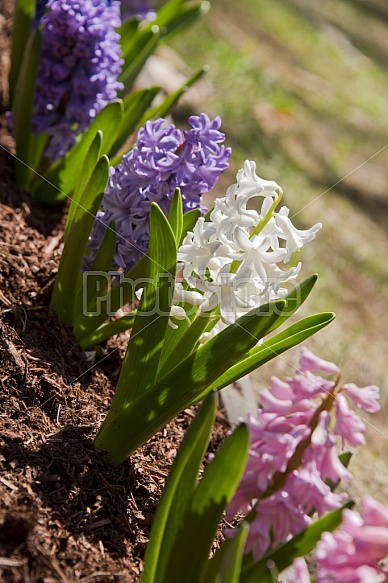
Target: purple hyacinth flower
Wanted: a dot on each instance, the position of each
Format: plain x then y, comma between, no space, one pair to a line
80,64
163,159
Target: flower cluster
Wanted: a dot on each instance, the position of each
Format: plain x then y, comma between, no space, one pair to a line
140,9
352,553
163,159
233,258
80,64
293,455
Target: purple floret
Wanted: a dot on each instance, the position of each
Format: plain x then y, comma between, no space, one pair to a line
80,64
162,159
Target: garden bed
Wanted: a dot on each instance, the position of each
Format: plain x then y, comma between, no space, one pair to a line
67,513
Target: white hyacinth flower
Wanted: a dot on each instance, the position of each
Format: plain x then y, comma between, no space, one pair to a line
232,260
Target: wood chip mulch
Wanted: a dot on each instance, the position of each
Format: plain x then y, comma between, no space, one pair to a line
66,512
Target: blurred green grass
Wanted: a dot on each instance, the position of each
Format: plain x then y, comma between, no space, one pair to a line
302,89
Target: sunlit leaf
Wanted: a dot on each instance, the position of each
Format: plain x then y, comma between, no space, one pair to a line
177,493
293,335
299,546
221,477
225,566
23,105
66,284
23,15
141,360
60,180
89,163
175,216
124,431
135,106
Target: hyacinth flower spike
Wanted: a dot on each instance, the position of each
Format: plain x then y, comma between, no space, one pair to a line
177,368
293,457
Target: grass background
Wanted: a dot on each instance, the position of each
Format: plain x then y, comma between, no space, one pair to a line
302,89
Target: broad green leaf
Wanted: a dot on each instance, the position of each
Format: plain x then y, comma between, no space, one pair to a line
94,287
120,295
189,220
134,45
141,359
299,546
295,298
64,174
186,339
133,424
293,335
66,284
88,166
221,477
24,13
108,330
225,566
177,493
36,145
177,15
134,62
187,17
135,106
175,216
23,105
127,32
164,108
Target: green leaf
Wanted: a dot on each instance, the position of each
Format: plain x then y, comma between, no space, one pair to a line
176,16
189,220
24,13
36,145
133,424
221,477
293,335
180,484
135,106
128,32
94,289
164,108
108,330
225,566
66,284
60,180
137,57
120,295
295,298
185,341
299,546
141,359
88,166
175,216
22,107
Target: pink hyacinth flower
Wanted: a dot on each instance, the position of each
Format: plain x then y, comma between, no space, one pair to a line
308,361
352,554
365,398
301,572
348,424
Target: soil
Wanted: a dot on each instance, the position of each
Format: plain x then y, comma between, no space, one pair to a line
66,512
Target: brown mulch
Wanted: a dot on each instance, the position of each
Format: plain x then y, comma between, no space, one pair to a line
66,512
